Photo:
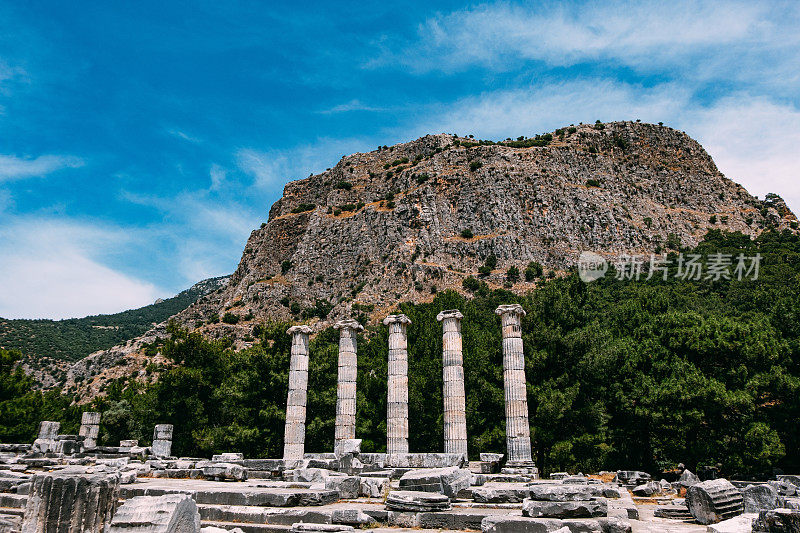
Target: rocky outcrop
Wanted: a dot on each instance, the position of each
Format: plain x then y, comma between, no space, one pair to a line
405,221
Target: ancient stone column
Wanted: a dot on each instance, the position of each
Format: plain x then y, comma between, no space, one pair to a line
162,440
518,437
397,401
455,412
346,386
70,500
90,428
295,431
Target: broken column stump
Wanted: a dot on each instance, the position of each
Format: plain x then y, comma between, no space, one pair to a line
714,501
70,501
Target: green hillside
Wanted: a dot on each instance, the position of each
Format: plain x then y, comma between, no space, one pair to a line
75,338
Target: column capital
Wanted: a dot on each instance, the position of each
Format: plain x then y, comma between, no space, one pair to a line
348,323
392,319
449,313
299,329
512,308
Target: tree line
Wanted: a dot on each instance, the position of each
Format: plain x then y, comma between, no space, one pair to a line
621,374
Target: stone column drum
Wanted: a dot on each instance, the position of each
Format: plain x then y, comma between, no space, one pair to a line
90,428
518,437
295,431
397,401
70,500
455,412
346,386
162,440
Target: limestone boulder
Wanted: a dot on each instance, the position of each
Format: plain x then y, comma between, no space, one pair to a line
738,524
520,524
615,525
373,487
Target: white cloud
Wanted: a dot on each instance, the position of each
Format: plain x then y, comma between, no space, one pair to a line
645,35
13,167
753,141
352,105
49,270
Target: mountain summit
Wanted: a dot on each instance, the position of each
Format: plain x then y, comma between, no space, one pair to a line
403,222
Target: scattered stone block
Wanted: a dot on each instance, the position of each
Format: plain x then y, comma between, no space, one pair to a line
347,447
560,493
222,471
565,509
777,521
738,524
311,474
632,477
129,443
303,527
373,487
348,487
491,462
673,511
615,525
416,501
760,497
448,481
714,501
500,494
351,517
520,524
227,457
784,488
73,496
688,478
171,513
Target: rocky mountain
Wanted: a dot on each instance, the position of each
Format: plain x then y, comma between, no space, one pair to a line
406,221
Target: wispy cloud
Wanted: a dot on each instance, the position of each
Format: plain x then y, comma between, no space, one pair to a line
643,35
13,167
352,105
53,271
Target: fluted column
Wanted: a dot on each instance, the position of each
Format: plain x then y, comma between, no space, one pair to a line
346,386
295,431
455,411
397,404
518,437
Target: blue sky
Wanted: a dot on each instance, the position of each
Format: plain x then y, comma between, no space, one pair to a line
141,142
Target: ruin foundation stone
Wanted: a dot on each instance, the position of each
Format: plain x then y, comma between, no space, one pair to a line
162,440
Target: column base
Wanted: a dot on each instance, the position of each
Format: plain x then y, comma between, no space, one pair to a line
525,468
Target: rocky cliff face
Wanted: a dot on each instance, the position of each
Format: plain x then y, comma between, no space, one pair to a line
406,221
